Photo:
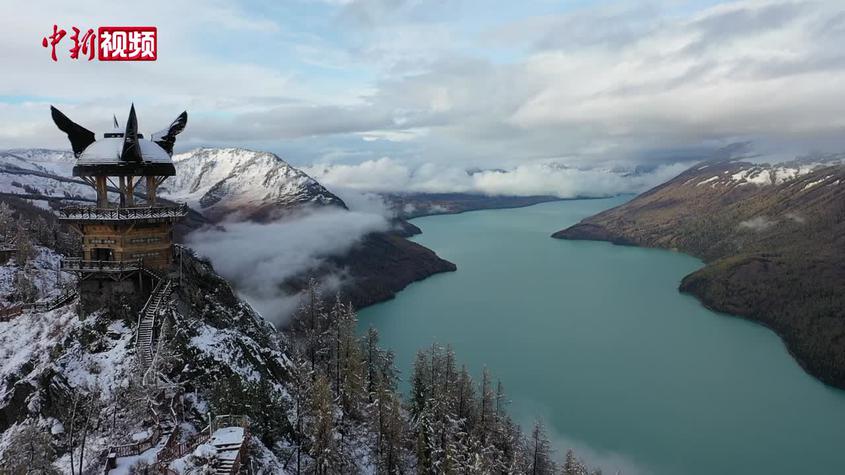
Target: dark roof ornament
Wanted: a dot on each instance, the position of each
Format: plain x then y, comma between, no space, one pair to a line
131,148
167,137
80,137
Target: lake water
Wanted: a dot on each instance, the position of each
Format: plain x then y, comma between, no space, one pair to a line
596,340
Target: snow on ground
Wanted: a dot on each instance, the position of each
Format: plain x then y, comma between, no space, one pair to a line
42,272
814,183
31,336
59,162
32,183
44,172
224,346
227,436
124,464
30,341
106,370
771,175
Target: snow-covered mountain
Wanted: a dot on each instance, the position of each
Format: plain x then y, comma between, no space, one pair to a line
52,161
33,173
257,185
215,182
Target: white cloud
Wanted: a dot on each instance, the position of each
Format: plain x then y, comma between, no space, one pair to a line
757,224
534,178
269,254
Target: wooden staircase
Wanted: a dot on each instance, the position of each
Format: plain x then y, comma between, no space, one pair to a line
145,337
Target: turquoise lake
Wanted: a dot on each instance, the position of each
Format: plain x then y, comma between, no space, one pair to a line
596,340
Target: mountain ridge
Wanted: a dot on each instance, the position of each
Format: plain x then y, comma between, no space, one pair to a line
256,185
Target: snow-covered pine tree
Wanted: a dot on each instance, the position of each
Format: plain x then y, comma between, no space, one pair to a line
324,451
308,325
349,364
420,384
25,248
30,450
6,222
573,466
486,411
541,452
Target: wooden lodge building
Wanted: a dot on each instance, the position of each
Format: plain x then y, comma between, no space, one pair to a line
127,236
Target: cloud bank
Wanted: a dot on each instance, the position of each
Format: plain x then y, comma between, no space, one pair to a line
535,178
258,258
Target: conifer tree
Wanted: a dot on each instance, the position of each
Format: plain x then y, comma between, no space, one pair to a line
486,412
420,384
5,222
23,244
573,466
541,452
30,451
323,449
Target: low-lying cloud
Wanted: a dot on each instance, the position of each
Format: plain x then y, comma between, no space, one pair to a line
535,178
259,258
757,224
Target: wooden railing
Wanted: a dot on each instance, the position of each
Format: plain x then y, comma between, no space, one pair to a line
128,450
69,293
162,457
236,466
77,264
76,213
10,313
173,449
180,449
229,420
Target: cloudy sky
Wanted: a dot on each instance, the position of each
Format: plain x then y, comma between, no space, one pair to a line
463,83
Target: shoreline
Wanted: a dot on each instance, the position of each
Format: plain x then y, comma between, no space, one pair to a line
785,339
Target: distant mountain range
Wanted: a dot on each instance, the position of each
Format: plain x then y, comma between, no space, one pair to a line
772,237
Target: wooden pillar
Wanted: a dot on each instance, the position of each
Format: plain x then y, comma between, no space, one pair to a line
130,190
102,192
151,190
122,187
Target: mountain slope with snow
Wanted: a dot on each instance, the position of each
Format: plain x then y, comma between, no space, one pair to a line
41,173
773,238
254,185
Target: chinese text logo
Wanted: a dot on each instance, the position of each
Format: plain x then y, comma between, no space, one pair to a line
111,43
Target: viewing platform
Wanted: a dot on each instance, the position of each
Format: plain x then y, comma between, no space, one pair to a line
151,214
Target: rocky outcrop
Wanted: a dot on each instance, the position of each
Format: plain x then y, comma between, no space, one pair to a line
414,205
381,265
